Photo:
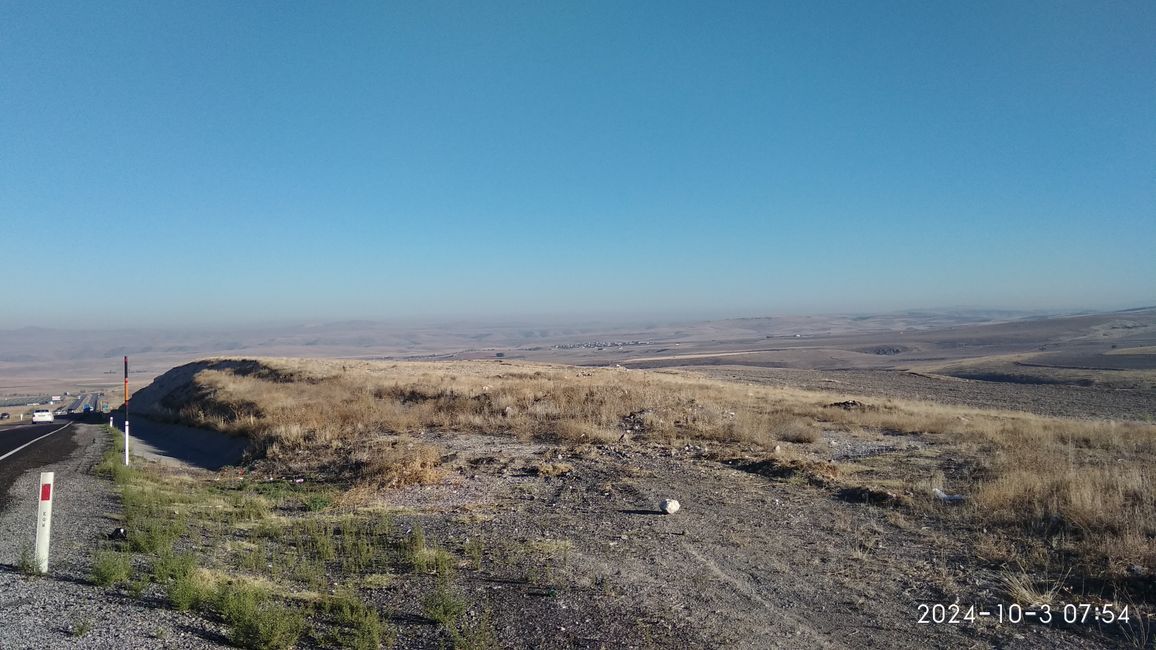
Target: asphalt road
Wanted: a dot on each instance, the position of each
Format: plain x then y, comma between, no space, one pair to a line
26,447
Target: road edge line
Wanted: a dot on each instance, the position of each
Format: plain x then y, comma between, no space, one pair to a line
35,440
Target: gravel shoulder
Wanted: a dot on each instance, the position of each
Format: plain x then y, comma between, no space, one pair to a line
62,609
186,446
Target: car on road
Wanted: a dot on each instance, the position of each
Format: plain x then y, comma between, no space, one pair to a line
42,415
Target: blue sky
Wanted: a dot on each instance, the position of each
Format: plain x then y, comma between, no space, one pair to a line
169,163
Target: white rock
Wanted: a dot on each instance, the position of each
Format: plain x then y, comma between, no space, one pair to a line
669,506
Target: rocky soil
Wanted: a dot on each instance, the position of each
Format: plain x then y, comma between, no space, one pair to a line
747,562
63,609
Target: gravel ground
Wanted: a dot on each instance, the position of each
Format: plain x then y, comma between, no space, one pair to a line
62,609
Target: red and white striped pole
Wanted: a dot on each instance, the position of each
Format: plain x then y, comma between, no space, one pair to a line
44,521
126,411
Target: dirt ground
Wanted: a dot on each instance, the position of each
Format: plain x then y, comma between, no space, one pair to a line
585,559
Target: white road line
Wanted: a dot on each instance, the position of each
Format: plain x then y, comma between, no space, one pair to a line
32,441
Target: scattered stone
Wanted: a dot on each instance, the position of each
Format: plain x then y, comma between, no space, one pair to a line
848,405
635,422
948,498
669,506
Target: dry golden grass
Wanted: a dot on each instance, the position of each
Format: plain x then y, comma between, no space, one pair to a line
553,469
1085,489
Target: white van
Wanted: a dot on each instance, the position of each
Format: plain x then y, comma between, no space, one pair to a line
42,415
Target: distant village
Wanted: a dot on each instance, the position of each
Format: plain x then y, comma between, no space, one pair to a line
598,344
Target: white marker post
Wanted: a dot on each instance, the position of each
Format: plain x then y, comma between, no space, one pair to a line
44,521
126,411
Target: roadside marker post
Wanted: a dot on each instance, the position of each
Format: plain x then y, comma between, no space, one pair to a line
126,411
44,521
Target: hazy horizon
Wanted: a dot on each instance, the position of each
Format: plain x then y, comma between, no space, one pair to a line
559,320
220,164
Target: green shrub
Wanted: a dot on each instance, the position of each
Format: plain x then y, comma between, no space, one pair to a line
443,606
173,566
256,621
186,593
268,627
152,535
27,562
434,560
110,568
365,630
477,635
315,501
474,550
235,600
251,508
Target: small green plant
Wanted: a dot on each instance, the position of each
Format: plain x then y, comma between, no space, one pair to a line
267,627
476,635
235,600
443,606
416,540
27,562
186,593
173,566
474,550
434,560
251,508
309,570
110,568
315,501
256,621
356,549
319,539
137,586
82,628
153,535
364,628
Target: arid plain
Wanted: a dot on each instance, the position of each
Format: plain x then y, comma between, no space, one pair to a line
502,487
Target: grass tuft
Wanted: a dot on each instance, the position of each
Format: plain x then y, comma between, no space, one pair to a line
110,568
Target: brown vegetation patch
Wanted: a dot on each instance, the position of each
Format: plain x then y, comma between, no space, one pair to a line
1078,490
815,472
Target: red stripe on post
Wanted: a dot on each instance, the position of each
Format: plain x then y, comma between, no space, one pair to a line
46,492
